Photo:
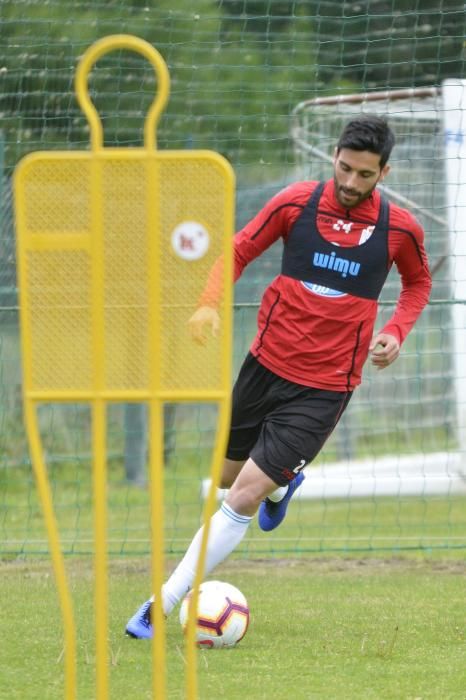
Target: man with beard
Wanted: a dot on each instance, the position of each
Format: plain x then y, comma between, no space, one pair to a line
315,331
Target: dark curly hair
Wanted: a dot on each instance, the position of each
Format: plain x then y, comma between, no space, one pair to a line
368,133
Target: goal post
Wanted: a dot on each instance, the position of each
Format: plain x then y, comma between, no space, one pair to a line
454,120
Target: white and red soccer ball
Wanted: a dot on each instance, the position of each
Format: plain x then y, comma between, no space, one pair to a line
222,615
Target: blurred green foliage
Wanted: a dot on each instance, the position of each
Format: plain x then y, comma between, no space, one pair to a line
238,67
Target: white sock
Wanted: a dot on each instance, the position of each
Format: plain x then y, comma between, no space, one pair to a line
277,495
227,529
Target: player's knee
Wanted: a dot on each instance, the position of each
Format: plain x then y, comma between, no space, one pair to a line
244,501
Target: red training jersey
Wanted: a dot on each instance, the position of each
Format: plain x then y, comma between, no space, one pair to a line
313,335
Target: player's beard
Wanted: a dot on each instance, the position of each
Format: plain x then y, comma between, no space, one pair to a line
358,196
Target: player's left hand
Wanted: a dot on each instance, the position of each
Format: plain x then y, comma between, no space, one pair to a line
384,349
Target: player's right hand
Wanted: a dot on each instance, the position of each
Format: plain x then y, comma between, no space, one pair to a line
205,318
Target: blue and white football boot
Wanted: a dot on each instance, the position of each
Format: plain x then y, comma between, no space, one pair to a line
271,514
140,625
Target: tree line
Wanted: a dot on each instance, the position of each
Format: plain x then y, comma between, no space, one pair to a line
238,67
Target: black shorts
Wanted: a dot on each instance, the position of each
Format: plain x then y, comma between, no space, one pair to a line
281,425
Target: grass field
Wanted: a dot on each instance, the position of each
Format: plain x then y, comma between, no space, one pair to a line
388,626
324,629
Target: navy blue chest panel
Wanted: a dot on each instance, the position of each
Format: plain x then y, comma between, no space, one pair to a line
359,270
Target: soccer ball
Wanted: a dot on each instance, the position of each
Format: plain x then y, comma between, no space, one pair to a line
222,615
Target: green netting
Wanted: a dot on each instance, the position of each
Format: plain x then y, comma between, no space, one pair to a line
239,69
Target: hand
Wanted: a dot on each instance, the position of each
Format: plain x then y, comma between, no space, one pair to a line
204,317
384,350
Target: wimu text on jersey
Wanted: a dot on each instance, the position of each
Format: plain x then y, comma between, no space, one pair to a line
341,265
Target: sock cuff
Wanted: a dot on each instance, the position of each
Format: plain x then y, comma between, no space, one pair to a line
236,517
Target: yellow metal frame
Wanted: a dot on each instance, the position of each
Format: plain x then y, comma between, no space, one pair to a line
98,395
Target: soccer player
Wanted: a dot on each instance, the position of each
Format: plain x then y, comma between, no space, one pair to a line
315,331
